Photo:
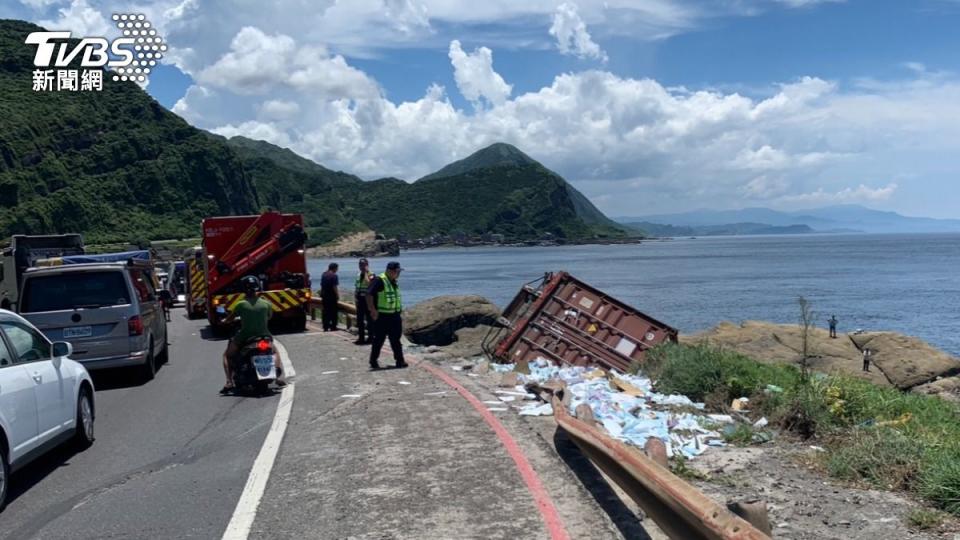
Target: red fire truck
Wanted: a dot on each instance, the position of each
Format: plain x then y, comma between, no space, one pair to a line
269,246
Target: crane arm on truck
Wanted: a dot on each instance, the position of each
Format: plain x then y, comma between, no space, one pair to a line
227,270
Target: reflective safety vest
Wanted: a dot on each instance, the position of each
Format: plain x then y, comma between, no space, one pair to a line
362,283
388,300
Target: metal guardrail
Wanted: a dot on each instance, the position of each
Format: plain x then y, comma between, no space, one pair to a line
679,509
347,310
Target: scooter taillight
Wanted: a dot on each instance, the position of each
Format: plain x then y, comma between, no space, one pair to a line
263,345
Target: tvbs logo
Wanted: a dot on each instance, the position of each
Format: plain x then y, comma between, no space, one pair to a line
132,56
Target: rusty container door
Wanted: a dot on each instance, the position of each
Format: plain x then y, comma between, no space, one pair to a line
569,322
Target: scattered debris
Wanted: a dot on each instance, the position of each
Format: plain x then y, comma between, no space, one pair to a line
632,417
534,409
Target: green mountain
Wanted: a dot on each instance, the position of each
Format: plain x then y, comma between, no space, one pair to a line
291,183
117,166
112,164
498,189
495,155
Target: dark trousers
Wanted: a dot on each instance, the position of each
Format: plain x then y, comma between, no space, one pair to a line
329,313
387,325
833,331
363,318
866,365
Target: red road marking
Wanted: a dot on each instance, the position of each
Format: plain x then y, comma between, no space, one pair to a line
549,512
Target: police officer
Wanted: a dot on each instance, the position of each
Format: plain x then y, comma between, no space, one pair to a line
361,284
385,305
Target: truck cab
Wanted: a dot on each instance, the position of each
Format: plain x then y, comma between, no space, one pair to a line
23,252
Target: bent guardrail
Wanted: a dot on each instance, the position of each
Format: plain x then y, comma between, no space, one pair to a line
679,509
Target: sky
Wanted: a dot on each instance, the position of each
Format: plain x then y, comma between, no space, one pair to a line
646,106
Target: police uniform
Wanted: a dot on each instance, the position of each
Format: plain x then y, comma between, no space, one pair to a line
360,286
389,324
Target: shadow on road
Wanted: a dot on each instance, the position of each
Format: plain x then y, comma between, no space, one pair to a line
591,478
34,473
116,378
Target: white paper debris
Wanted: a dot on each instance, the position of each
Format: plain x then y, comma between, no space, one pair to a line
631,419
403,382
351,396
329,372
544,409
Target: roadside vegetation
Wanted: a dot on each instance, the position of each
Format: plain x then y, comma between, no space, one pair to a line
872,435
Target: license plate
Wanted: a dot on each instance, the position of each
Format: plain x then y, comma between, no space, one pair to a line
264,366
77,332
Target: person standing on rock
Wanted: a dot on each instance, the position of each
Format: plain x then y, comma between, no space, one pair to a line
329,296
385,305
867,354
361,284
833,326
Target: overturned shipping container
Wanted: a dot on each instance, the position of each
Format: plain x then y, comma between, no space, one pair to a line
564,320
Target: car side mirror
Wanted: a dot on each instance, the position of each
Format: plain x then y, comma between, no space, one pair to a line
61,349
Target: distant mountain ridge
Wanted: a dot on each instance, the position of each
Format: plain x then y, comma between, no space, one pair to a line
732,229
118,167
496,190
839,218
495,155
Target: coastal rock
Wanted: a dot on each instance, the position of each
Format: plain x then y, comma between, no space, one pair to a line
898,360
468,341
909,361
361,244
947,388
436,321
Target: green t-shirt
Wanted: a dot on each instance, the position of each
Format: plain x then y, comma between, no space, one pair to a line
253,319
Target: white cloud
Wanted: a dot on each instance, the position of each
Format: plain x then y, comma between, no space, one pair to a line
80,18
572,36
258,63
632,145
859,194
475,76
279,110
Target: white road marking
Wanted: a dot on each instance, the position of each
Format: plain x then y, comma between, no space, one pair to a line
246,511
288,370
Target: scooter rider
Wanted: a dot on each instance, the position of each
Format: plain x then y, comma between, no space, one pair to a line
254,313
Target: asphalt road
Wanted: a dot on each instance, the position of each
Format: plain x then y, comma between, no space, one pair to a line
170,459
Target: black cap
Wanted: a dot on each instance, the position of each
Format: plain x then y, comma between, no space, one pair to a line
393,265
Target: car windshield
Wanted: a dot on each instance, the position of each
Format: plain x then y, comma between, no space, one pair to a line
70,290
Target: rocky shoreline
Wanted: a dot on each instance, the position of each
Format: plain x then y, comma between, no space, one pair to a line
456,326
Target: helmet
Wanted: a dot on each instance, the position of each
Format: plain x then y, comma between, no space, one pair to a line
250,284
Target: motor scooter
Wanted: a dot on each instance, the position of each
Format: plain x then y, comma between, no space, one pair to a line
253,367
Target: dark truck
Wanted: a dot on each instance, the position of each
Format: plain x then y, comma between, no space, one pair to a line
23,252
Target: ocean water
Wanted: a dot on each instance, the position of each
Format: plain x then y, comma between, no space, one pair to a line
905,283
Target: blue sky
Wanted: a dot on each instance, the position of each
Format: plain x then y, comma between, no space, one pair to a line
749,54
647,106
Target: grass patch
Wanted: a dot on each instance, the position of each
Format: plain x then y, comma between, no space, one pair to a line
873,434
926,519
680,468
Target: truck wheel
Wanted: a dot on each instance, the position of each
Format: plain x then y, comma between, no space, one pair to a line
299,323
